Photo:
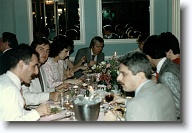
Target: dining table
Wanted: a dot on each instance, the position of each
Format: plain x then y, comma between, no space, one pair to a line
65,114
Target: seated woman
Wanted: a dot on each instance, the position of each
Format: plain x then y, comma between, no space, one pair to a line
54,67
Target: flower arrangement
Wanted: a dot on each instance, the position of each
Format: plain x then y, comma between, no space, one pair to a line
107,72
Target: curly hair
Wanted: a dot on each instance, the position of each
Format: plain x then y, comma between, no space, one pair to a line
59,43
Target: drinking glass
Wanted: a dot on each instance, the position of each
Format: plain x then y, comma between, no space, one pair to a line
108,98
68,102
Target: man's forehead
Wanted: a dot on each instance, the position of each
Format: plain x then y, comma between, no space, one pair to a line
99,44
43,45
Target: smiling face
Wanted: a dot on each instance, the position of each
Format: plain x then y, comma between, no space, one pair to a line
128,81
97,48
43,51
29,70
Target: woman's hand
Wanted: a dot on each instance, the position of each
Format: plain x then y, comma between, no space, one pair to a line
74,81
83,59
68,73
62,87
83,67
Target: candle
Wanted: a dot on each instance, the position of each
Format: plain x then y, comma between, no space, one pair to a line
115,54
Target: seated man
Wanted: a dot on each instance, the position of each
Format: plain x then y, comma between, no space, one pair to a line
108,32
168,72
37,91
152,102
171,45
93,54
22,65
7,42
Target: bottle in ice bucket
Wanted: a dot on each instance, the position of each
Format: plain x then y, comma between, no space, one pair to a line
87,93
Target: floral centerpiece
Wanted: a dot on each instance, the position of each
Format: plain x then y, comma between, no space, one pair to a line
107,72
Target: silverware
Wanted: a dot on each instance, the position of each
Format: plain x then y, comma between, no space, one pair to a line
68,116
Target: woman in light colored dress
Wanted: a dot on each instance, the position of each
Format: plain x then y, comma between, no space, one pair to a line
54,67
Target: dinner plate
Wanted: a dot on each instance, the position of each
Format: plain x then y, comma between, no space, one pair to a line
55,110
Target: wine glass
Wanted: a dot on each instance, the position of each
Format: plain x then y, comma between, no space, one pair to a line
108,98
68,103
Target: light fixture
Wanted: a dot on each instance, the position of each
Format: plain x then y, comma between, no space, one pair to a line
49,2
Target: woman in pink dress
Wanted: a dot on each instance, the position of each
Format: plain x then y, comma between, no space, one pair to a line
54,67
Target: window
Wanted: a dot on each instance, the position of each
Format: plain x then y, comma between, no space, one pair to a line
49,18
125,18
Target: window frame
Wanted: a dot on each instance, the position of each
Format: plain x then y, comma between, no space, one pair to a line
122,41
82,22
82,25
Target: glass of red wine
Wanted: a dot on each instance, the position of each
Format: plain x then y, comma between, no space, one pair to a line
109,97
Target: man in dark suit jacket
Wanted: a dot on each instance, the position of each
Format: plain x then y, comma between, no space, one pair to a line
7,41
152,102
168,71
93,54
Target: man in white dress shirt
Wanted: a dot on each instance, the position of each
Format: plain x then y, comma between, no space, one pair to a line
38,92
22,65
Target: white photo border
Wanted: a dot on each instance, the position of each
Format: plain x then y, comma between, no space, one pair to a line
113,127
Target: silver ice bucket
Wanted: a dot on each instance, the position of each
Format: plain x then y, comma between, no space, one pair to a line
86,110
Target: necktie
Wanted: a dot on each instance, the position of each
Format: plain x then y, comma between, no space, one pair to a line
93,57
157,75
41,81
21,91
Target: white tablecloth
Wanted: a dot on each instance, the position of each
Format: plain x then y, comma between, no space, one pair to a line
63,113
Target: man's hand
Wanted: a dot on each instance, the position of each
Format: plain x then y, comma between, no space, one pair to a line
118,99
54,96
43,109
91,63
110,116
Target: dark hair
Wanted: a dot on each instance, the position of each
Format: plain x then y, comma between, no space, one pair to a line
169,41
59,43
39,41
95,40
108,28
72,34
152,47
142,37
10,38
119,26
21,52
137,62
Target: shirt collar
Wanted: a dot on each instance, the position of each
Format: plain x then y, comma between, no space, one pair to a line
14,79
6,50
137,90
92,53
159,65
